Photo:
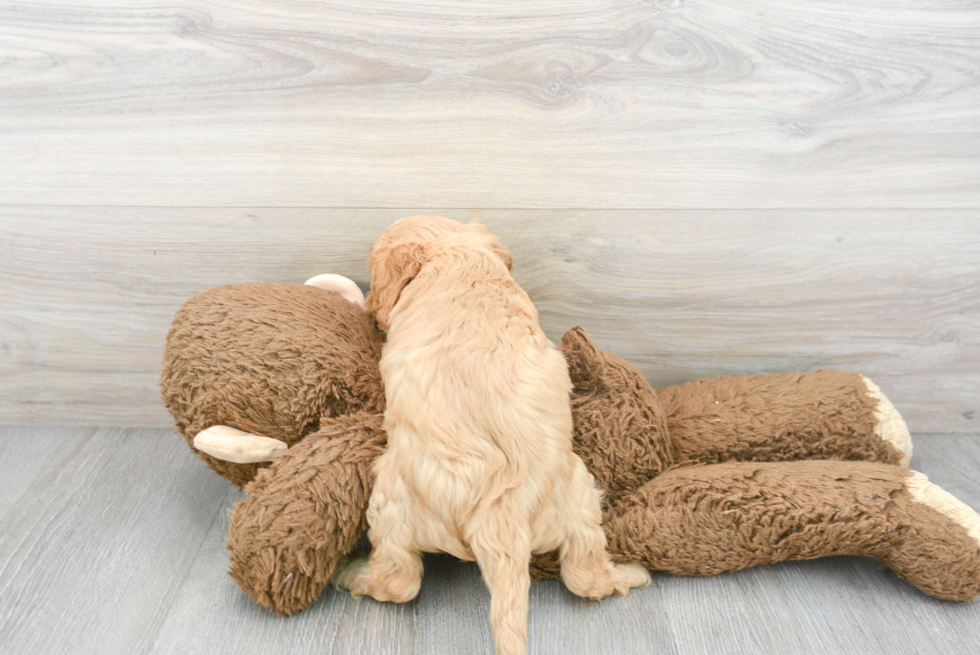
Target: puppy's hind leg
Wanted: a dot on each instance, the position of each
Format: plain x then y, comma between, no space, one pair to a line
499,536
393,571
585,565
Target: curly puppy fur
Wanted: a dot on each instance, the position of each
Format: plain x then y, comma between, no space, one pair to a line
479,462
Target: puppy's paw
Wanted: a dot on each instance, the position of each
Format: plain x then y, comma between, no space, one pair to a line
631,575
611,579
349,574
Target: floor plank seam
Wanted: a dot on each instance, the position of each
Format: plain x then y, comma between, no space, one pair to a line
177,588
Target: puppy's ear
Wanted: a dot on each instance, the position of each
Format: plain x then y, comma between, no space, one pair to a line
585,365
392,268
498,248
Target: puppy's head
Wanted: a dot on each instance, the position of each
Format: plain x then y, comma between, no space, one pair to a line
398,256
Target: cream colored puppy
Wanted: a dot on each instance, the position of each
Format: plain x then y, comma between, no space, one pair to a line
479,462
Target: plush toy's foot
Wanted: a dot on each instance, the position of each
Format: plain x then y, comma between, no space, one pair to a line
231,445
939,552
890,426
703,520
342,285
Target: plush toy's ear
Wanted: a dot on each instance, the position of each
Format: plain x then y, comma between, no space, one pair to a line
585,365
345,286
393,266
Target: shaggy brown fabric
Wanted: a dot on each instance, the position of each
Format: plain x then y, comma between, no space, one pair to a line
304,512
272,359
703,520
301,364
620,429
769,418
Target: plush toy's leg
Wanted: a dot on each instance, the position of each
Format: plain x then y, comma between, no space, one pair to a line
703,520
233,445
821,415
304,512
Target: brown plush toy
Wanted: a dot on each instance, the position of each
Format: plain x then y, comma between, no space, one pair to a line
277,388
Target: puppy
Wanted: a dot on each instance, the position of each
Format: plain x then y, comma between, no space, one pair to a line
479,462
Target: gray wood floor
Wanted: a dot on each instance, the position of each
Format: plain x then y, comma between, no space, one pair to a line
112,541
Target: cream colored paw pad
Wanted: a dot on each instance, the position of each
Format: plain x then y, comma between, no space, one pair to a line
890,424
926,493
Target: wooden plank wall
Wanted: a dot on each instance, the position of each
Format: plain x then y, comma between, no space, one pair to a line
88,293
708,187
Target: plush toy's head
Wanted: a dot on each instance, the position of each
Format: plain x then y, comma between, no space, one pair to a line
269,359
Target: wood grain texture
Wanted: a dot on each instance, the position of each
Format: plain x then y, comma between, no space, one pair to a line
212,615
96,546
87,294
542,103
25,453
117,547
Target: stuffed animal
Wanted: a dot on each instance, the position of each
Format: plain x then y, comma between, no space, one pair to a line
277,388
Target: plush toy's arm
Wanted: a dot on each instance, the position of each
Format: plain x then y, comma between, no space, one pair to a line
826,414
304,512
702,520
